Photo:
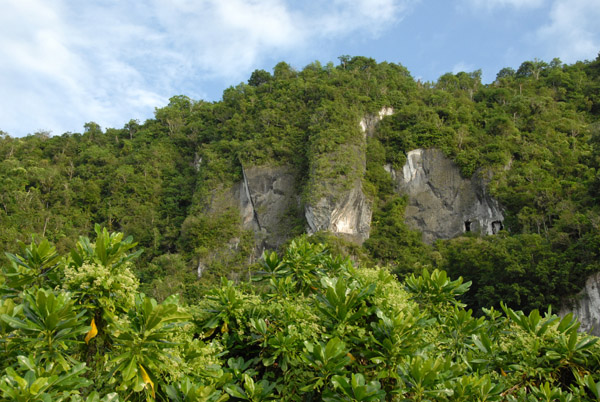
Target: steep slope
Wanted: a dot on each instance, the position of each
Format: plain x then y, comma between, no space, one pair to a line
442,204
208,184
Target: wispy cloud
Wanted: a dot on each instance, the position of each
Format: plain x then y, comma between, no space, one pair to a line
493,4
65,63
572,32
462,67
347,16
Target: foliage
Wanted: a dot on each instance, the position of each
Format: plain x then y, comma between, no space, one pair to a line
169,181
32,268
48,326
392,242
521,270
317,327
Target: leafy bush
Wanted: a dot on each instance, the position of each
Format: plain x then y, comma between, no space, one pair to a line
316,327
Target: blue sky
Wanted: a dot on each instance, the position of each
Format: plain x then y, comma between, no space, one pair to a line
67,62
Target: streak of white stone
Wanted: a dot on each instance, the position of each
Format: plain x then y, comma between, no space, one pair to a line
385,111
363,125
411,168
364,122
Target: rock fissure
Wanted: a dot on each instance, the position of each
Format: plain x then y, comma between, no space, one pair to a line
247,190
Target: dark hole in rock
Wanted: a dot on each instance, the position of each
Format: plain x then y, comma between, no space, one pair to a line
497,226
467,226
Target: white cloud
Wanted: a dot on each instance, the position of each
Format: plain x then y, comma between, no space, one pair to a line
223,37
573,32
371,16
230,36
519,4
63,69
66,63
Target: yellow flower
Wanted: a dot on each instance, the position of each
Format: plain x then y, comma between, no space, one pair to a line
93,332
147,380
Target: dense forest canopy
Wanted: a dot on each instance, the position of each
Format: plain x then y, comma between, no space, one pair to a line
88,314
536,130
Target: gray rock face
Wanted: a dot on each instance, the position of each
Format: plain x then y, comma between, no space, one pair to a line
268,200
586,306
350,216
442,204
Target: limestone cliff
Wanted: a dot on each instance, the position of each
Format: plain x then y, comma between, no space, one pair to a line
269,203
441,203
349,216
346,211
586,306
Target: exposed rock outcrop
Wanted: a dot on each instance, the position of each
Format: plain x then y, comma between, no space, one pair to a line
268,202
369,122
349,216
586,306
269,199
442,204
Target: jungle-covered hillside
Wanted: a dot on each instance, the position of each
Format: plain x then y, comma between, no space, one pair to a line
535,130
